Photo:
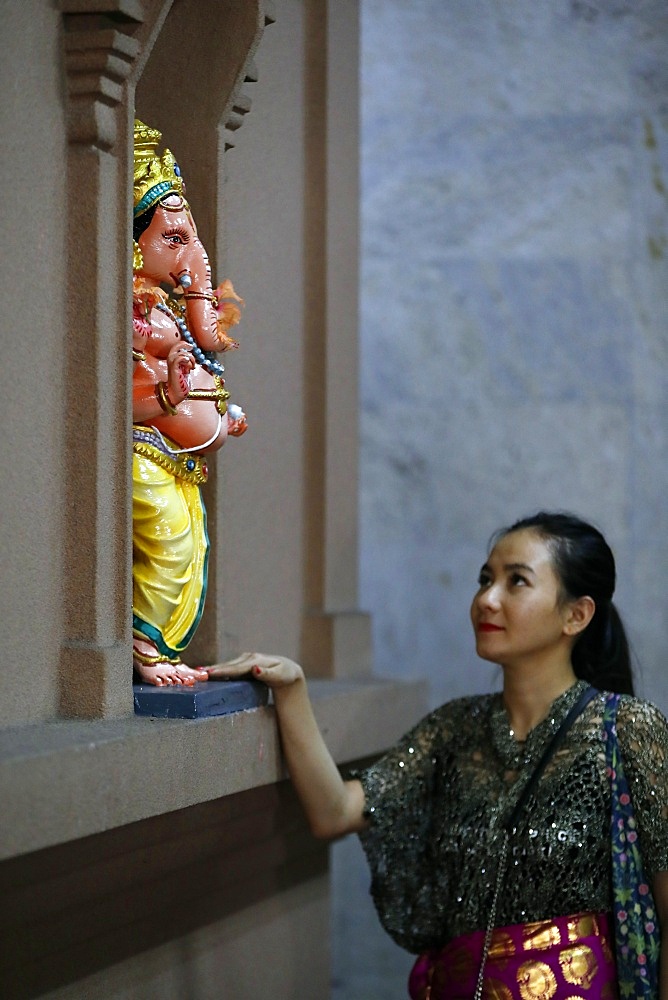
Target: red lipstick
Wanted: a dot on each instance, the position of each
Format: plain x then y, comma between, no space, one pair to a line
488,627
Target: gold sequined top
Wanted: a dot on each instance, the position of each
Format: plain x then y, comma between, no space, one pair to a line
437,801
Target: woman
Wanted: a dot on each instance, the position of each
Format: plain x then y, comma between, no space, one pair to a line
504,905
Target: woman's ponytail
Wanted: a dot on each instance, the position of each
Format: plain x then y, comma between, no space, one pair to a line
601,655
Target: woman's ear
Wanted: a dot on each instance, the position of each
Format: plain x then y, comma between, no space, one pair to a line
578,615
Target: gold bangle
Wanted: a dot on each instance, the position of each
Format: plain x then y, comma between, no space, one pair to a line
163,399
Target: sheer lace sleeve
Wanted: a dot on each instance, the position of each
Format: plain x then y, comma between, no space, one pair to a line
399,801
643,739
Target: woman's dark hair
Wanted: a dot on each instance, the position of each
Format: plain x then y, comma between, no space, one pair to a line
585,566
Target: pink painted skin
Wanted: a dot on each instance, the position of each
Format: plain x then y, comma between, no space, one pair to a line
172,251
169,359
172,254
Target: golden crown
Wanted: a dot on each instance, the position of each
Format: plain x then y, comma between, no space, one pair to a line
154,176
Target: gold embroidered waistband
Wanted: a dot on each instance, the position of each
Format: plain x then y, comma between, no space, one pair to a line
543,935
565,958
191,468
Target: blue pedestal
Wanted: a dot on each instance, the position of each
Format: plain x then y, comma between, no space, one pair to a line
201,701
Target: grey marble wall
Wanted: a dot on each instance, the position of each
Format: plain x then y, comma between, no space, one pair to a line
514,292
513,330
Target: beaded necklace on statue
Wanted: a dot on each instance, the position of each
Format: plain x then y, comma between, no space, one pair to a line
206,359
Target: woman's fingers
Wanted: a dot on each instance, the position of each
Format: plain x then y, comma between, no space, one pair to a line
275,671
237,667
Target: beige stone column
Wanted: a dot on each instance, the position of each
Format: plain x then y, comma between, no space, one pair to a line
335,635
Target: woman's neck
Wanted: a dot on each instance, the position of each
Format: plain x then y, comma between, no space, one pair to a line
527,696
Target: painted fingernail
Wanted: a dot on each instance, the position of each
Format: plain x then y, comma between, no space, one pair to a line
257,670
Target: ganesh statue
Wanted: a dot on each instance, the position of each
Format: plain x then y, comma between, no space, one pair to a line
181,412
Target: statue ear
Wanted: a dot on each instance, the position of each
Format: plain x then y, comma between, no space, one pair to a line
578,615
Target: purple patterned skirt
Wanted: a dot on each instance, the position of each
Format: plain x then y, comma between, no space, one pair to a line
570,958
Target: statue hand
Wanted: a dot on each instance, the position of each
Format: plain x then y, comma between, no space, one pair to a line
237,423
180,362
274,671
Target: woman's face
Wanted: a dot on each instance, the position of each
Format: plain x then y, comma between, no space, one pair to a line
516,614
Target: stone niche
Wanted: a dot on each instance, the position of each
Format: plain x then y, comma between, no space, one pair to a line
168,858
120,55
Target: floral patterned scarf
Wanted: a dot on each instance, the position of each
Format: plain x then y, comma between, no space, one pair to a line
635,921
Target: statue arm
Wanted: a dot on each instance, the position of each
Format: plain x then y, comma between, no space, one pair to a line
154,397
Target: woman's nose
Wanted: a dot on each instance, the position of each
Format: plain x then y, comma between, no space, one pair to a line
489,597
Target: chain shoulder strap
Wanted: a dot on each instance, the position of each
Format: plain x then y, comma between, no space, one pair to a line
511,823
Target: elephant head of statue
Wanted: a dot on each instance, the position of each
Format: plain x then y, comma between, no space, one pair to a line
167,249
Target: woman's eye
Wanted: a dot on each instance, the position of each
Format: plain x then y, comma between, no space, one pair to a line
483,581
518,580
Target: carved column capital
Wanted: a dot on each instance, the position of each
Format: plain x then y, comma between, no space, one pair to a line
240,103
100,50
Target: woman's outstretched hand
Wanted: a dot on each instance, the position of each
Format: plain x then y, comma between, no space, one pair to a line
333,806
274,671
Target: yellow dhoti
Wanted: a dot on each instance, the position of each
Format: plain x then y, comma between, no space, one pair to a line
170,543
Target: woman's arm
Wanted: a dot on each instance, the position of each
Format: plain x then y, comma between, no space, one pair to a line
333,806
660,893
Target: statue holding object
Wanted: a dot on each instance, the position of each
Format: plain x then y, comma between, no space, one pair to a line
180,414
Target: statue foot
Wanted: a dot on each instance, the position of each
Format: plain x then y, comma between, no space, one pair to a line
153,668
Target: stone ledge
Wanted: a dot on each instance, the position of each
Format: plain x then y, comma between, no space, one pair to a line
54,777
